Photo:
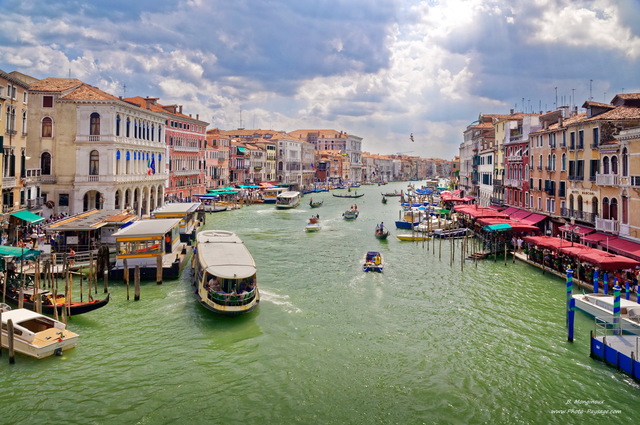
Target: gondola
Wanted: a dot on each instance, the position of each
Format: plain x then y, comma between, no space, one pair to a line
392,194
315,204
75,308
382,234
348,196
384,200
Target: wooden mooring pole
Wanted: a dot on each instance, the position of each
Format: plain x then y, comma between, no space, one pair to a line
136,284
159,269
125,275
12,354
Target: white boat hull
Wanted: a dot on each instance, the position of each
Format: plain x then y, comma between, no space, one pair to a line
601,306
47,338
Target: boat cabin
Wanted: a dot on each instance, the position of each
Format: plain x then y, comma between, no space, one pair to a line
186,212
141,243
288,199
270,195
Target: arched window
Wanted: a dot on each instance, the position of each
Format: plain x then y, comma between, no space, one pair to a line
625,162
128,129
614,165
579,202
605,208
94,163
45,163
540,162
594,207
564,162
553,162
605,165
47,127
94,129
118,125
549,162
24,122
613,209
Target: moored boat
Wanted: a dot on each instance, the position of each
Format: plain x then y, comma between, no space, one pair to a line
225,273
601,306
36,335
49,303
288,200
373,262
414,237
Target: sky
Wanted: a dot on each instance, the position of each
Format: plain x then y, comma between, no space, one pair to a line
378,69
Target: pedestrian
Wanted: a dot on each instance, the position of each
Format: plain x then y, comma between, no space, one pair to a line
519,244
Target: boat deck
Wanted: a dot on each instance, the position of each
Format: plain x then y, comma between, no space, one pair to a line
46,337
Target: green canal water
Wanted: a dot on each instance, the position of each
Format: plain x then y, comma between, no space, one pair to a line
424,342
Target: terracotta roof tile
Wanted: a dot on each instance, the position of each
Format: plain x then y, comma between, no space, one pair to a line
55,84
87,92
619,113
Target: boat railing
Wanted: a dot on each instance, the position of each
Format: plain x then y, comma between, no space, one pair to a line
607,325
232,299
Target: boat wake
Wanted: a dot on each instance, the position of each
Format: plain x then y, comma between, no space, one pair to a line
281,300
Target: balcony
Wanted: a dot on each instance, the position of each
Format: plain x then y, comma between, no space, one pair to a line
36,203
186,148
186,172
513,183
606,225
550,192
607,180
48,179
579,215
8,182
576,178
497,182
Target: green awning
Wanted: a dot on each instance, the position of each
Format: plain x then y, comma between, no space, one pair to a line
28,217
497,227
18,252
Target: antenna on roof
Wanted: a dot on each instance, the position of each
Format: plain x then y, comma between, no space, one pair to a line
69,72
590,83
124,90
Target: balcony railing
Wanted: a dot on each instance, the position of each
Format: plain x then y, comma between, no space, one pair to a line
8,182
33,204
607,225
579,215
186,172
513,182
186,148
514,158
607,180
48,179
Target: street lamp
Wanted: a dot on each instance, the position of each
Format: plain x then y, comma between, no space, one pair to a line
572,229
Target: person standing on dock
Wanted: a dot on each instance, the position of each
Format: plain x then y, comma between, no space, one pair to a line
519,244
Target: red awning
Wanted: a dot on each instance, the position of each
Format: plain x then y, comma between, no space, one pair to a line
533,219
548,242
596,237
578,230
607,261
519,215
510,210
622,246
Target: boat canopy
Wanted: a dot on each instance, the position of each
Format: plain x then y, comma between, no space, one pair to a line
223,254
148,228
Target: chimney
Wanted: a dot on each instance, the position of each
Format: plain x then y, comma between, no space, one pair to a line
560,121
197,116
511,111
180,108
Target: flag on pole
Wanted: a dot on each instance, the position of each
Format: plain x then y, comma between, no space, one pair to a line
148,166
153,164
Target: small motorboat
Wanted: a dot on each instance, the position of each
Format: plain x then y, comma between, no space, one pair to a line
312,227
373,262
350,214
314,219
36,335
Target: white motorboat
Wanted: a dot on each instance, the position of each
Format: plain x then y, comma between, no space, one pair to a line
601,306
36,335
225,273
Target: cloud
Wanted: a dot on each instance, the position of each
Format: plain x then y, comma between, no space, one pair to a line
380,70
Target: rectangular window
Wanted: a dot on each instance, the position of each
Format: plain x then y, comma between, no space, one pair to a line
581,139
593,169
596,137
562,189
63,199
47,101
572,140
